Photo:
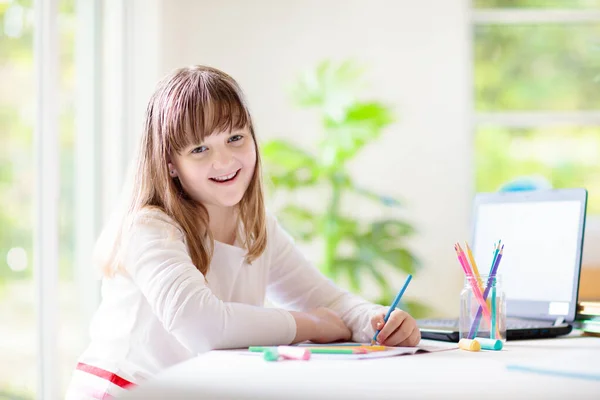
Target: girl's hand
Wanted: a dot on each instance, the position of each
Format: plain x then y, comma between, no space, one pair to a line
329,327
400,330
320,326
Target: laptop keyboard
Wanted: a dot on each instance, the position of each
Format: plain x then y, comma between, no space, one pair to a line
524,324
510,323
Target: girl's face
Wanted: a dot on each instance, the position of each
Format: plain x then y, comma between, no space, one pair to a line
218,171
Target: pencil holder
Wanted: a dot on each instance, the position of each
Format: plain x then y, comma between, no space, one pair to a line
483,308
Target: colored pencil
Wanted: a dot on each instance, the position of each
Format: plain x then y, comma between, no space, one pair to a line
474,266
471,278
392,307
317,350
491,278
493,327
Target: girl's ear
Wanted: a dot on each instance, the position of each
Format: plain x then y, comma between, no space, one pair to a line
172,170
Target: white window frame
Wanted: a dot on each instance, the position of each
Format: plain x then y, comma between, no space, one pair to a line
46,145
88,152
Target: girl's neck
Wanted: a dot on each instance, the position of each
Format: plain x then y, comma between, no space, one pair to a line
223,223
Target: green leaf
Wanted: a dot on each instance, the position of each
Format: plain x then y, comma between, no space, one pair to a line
331,87
363,122
353,275
346,227
329,83
369,115
301,222
292,180
383,241
287,155
288,165
391,229
400,259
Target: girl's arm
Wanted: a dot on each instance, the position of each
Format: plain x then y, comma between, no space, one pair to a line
295,284
156,258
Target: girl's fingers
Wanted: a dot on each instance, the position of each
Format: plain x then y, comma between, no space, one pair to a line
395,320
413,339
377,321
401,334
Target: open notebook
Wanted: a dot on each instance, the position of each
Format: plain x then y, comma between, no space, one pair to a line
387,352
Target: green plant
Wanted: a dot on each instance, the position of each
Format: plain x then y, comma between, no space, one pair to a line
353,247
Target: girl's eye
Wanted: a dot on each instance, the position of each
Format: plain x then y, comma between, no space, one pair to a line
235,138
200,149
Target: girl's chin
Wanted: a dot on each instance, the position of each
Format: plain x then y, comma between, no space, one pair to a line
227,201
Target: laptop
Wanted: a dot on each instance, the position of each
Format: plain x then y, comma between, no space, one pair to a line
542,231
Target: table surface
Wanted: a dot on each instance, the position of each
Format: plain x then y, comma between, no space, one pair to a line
447,374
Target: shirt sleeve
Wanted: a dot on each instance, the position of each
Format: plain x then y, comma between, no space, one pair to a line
295,284
156,257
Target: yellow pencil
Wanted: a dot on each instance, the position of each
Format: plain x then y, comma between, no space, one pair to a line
472,260
474,266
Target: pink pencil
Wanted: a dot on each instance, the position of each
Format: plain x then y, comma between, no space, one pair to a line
471,278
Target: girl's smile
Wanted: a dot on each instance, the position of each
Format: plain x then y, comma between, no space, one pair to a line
226,179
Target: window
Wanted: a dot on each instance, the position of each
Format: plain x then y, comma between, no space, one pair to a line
47,131
537,93
18,342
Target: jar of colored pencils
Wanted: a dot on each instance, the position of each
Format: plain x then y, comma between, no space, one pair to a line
483,308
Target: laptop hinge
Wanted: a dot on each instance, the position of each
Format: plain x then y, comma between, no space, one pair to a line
559,321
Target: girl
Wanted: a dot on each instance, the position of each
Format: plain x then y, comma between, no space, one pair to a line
192,257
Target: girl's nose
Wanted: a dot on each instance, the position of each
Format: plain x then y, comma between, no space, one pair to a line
222,160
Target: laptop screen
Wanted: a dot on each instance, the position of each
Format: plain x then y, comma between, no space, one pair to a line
540,265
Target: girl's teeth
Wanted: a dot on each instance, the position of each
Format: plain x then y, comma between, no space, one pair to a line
226,178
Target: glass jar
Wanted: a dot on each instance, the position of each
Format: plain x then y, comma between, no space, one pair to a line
475,321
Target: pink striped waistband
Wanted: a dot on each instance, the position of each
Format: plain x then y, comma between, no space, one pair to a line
104,374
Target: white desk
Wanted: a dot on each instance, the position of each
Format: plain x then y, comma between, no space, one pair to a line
448,374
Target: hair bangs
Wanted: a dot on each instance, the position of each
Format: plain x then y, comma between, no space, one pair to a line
207,106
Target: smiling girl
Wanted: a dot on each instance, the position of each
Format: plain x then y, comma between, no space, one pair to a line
191,258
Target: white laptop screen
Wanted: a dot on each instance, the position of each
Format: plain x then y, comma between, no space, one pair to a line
541,250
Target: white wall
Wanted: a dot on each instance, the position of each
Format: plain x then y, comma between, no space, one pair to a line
418,54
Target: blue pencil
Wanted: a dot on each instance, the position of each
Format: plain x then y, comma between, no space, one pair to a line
493,327
393,306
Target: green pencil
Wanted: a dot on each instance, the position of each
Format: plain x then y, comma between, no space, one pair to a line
335,351
313,350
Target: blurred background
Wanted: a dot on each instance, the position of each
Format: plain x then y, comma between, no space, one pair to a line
378,121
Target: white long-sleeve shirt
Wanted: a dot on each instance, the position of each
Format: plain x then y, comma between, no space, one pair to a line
164,311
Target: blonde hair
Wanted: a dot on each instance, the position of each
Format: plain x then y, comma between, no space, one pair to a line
187,106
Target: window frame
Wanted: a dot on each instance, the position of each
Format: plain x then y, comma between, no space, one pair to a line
46,148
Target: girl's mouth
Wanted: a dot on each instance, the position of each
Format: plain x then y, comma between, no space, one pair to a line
223,179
